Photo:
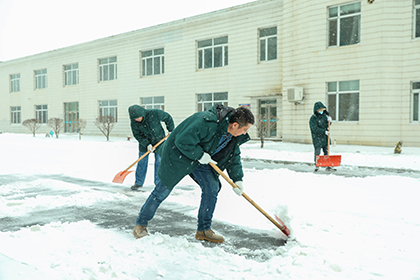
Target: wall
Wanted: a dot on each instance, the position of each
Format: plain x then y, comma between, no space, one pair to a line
385,61
242,78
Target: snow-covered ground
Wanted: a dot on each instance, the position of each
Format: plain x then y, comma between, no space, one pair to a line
342,227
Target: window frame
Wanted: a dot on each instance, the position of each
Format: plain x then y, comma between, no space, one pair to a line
203,51
71,75
266,40
154,102
14,82
41,113
204,105
338,18
416,19
415,94
153,58
110,109
41,81
15,114
335,114
105,66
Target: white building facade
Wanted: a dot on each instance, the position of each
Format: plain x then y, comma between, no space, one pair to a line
277,57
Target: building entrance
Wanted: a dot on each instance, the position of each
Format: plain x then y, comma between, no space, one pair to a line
71,115
268,117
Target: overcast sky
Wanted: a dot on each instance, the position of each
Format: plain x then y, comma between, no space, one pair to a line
33,26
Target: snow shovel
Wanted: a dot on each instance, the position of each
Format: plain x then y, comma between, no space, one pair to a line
119,178
278,224
328,160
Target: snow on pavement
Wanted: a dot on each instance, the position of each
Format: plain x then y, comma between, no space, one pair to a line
342,227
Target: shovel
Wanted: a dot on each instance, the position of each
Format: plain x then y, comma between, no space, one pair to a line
278,224
119,178
327,160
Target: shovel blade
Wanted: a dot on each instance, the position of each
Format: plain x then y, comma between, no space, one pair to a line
285,230
119,178
325,161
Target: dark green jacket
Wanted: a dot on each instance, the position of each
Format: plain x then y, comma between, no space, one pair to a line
319,124
199,133
150,130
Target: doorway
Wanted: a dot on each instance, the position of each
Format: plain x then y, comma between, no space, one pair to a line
268,117
71,114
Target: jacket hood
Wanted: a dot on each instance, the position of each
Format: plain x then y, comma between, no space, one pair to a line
136,111
318,105
222,111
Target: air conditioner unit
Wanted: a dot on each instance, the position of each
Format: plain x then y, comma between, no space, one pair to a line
295,94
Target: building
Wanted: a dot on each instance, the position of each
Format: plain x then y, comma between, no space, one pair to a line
360,58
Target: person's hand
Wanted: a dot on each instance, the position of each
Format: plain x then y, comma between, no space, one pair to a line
240,189
329,119
206,159
327,132
150,148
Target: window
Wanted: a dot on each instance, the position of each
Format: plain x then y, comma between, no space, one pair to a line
213,53
344,25
108,69
343,100
15,114
155,102
71,74
416,18
268,44
152,62
108,108
41,113
40,79
15,83
206,100
415,91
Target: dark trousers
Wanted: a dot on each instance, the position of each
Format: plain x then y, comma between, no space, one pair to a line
318,151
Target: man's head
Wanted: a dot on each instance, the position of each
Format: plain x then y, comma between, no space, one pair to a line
318,107
240,121
136,113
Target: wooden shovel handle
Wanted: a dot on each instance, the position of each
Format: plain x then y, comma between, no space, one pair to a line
145,154
282,228
329,137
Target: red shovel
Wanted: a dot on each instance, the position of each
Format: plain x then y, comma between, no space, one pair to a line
278,224
119,178
328,160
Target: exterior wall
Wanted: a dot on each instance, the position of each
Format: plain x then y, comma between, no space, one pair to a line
386,61
242,78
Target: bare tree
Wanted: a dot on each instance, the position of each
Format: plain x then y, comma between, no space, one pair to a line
57,124
32,125
266,123
80,125
105,125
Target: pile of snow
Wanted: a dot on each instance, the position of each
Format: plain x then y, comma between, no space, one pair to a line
342,227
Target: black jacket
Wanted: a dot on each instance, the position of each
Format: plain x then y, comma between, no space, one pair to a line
319,124
150,130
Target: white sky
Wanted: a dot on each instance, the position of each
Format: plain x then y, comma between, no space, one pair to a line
33,26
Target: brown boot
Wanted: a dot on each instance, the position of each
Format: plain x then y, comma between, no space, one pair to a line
209,235
140,231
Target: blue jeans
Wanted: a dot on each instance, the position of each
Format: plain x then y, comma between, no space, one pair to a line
142,169
210,187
